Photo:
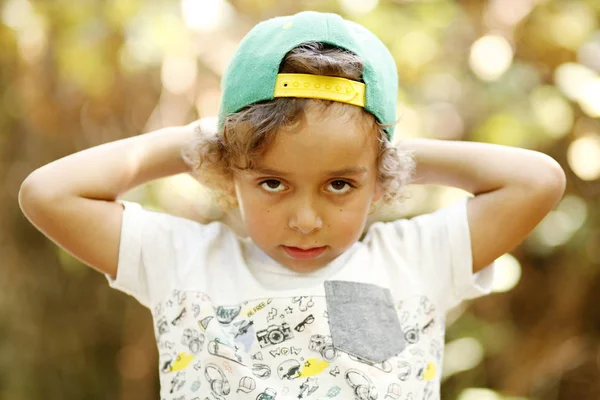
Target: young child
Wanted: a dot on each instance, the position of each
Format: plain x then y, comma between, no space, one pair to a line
301,309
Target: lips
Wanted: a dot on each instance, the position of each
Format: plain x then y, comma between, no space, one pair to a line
304,254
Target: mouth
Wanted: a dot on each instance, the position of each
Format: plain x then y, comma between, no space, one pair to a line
304,254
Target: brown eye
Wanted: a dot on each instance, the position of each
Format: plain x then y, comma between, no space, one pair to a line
339,187
272,186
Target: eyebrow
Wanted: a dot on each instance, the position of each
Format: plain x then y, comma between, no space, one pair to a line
340,172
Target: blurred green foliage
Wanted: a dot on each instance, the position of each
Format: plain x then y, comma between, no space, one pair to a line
75,74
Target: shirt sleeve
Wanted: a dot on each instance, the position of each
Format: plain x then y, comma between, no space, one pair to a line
154,248
438,245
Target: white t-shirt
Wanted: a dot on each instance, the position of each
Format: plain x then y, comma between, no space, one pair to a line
231,323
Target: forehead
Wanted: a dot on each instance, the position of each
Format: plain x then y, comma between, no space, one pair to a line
325,141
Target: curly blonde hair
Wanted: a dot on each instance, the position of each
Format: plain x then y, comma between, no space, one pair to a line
247,134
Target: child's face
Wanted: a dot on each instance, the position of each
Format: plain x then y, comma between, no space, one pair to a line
312,189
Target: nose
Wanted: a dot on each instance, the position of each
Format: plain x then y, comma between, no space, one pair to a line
305,219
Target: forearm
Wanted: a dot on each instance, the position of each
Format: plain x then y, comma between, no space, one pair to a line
479,167
105,172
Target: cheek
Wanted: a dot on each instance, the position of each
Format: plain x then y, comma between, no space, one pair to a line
349,221
259,220
251,209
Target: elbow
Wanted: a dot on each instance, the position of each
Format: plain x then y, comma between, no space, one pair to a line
32,194
27,194
550,181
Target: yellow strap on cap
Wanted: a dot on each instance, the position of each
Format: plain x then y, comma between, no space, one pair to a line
320,87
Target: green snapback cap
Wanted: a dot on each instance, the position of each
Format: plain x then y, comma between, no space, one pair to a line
252,74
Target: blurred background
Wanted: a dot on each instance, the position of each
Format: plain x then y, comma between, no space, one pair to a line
78,73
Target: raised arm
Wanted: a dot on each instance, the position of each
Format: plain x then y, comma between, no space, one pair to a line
513,189
72,200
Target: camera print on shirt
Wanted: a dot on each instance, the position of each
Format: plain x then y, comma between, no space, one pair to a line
283,348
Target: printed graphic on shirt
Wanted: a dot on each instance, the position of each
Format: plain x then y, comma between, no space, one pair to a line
282,348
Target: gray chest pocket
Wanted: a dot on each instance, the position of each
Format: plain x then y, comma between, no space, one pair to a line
363,320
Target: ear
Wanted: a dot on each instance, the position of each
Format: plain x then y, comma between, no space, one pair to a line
231,192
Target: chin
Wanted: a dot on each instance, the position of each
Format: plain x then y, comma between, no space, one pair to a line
303,267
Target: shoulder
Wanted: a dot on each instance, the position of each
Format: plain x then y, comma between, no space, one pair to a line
160,252
422,229
437,248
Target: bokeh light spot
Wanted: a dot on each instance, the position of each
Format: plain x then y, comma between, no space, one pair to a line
461,355
552,111
490,57
507,273
572,78
206,15
590,98
178,74
559,226
416,48
572,24
583,156
358,6
479,394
